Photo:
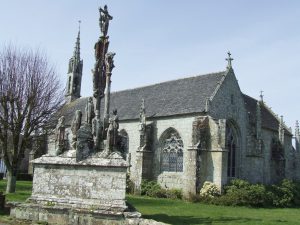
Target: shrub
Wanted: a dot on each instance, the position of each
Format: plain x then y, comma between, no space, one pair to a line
209,190
174,193
283,195
153,189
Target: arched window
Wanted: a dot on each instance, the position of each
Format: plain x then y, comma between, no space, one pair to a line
171,151
124,144
231,145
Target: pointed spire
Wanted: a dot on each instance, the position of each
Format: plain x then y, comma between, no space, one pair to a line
281,130
229,59
77,45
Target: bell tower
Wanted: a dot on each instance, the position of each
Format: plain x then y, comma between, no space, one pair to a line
73,86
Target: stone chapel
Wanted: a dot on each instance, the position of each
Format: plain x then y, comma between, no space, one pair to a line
184,132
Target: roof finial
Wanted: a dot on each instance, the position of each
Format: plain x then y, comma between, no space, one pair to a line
229,59
261,96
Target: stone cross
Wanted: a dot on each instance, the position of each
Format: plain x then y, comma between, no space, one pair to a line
104,20
229,59
261,96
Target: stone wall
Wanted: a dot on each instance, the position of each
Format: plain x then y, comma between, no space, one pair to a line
228,103
183,125
83,185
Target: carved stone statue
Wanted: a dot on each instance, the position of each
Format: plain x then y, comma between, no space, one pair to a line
85,142
76,123
104,20
109,61
112,131
90,111
97,131
60,135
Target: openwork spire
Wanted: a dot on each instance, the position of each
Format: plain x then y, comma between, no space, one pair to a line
77,46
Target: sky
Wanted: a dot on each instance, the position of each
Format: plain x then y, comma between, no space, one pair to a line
161,40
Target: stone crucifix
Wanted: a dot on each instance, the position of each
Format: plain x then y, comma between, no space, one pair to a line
104,20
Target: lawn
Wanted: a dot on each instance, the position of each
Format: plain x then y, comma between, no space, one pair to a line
23,191
181,212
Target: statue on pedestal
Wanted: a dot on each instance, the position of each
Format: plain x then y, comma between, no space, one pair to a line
90,111
76,123
112,131
60,135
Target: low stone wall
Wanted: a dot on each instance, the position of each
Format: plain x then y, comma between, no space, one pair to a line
65,216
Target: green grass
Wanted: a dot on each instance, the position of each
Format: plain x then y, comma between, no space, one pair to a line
184,213
23,191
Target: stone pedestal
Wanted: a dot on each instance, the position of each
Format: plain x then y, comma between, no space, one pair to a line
191,172
65,189
143,168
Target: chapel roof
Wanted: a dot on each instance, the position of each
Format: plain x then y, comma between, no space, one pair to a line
268,118
182,96
176,97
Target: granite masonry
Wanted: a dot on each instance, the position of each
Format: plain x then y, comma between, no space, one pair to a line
179,133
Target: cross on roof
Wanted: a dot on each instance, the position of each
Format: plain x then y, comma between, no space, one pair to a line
229,59
261,96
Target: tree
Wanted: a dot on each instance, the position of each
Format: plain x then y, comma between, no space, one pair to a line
30,93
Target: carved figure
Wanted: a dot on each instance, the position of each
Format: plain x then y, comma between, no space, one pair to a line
60,135
89,109
104,20
109,61
76,123
96,130
112,130
60,124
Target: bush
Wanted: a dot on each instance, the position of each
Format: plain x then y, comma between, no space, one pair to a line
209,190
153,189
283,195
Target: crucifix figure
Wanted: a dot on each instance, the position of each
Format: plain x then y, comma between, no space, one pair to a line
104,20
229,59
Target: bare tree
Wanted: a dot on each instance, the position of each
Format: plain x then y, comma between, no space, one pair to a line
30,93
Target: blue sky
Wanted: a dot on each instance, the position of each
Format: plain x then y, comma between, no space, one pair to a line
161,40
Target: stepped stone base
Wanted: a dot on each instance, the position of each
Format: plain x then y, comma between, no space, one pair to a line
68,191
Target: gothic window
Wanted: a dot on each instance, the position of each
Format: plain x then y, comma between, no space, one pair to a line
171,152
180,160
231,144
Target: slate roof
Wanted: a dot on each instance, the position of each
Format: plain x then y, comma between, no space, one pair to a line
176,97
182,96
269,120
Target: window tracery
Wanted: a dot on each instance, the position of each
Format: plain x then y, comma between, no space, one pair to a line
172,154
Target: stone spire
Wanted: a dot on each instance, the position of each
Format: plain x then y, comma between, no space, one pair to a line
229,59
281,130
76,54
73,87
297,136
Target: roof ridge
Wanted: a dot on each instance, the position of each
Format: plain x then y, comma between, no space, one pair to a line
168,81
